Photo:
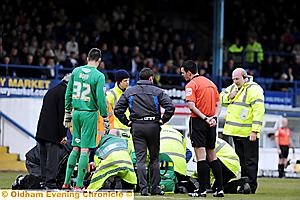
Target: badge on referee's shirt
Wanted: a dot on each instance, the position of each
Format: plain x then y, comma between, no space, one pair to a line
188,91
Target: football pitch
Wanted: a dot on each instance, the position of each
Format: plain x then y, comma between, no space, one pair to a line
269,189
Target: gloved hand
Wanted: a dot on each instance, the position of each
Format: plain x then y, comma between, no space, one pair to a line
106,125
68,119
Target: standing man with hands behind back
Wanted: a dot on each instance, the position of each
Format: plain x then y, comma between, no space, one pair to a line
203,100
85,95
243,121
144,101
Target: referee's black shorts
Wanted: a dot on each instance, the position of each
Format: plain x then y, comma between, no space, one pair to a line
202,135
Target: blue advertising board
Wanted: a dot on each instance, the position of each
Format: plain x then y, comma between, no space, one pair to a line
278,99
23,87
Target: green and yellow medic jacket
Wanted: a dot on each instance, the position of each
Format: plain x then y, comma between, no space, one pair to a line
113,96
245,112
113,160
85,91
228,156
173,143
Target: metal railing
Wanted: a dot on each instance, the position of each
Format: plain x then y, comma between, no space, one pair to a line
173,80
15,124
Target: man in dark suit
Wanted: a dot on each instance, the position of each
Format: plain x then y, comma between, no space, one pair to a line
51,133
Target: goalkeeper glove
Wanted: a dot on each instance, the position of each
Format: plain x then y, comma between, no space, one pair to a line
106,125
68,119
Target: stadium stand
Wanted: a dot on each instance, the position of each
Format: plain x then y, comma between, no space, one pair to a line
157,34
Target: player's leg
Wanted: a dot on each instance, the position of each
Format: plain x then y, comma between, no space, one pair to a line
88,141
73,157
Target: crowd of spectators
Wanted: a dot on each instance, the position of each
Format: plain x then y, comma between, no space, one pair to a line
276,29
51,33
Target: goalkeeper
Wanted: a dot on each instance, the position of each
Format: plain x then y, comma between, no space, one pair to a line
85,96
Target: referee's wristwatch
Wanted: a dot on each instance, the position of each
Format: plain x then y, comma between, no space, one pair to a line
205,118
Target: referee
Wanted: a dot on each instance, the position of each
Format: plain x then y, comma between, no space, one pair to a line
203,100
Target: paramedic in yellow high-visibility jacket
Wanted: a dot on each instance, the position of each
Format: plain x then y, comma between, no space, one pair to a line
113,95
243,121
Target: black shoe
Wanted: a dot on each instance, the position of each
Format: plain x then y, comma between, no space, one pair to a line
161,193
244,189
198,194
17,183
218,193
144,192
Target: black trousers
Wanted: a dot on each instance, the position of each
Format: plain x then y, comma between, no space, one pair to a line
147,136
226,174
49,161
248,155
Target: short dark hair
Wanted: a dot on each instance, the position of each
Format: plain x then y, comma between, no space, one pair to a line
94,54
191,66
146,73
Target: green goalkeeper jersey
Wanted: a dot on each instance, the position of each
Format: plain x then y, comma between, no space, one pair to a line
85,91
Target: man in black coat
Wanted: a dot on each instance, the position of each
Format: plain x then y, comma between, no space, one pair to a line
51,133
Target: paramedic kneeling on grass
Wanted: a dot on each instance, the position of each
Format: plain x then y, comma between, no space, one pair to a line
113,162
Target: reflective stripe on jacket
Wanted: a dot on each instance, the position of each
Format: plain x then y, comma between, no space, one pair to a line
245,112
115,161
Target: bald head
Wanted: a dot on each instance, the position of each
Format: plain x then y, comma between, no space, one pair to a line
284,122
239,72
239,77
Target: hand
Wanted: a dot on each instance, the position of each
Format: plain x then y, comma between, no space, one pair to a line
161,122
129,124
232,94
68,119
63,141
212,121
253,136
279,151
106,125
91,167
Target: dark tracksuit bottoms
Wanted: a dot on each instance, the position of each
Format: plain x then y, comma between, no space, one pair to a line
146,134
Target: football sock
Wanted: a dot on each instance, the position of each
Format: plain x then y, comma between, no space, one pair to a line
73,157
82,168
203,174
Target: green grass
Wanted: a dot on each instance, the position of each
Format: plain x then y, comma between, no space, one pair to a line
7,178
268,189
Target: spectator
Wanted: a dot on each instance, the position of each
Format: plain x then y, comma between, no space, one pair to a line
72,46
116,60
254,53
235,50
